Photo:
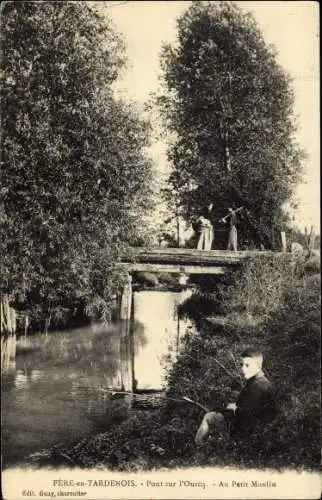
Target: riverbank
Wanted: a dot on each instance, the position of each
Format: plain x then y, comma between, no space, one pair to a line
274,305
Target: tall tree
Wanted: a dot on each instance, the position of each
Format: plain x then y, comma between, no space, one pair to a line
230,105
74,172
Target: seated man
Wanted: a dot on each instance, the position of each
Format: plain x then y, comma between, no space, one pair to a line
255,403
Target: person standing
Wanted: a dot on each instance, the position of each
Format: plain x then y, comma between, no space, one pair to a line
205,227
232,238
205,233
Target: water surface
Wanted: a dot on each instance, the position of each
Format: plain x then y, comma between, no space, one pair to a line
55,394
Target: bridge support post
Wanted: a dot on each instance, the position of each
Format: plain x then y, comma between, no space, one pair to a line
126,338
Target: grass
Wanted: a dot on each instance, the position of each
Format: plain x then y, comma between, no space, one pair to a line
273,304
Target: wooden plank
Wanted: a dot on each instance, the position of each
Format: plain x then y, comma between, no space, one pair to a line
195,252
185,259
174,268
188,252
190,261
192,256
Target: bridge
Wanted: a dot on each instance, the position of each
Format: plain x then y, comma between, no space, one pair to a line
182,261
188,261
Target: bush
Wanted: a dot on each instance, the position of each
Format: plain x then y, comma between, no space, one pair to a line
284,303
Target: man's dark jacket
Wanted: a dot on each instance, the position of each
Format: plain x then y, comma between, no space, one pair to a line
256,404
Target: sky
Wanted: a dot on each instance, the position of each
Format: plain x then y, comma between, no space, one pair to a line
291,26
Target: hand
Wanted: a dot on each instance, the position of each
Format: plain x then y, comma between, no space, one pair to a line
232,406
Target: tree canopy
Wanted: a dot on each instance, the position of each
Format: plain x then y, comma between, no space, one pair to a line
75,176
229,105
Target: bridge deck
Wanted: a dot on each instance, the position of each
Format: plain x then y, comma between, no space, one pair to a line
190,261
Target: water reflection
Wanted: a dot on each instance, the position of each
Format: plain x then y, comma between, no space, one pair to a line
157,313
24,377
56,393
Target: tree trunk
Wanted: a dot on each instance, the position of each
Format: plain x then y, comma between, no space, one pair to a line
227,152
47,324
8,332
178,231
26,326
311,240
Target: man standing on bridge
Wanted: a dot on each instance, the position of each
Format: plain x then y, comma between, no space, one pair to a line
205,233
205,229
232,238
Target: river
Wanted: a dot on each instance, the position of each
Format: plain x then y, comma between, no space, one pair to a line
56,393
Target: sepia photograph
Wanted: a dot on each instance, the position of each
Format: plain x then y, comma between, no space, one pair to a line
160,250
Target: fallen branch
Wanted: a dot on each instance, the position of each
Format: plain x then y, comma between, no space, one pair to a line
185,399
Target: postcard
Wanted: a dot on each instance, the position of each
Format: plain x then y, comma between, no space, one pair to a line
160,294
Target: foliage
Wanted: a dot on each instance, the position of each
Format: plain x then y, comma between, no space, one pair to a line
74,172
264,279
285,324
229,107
